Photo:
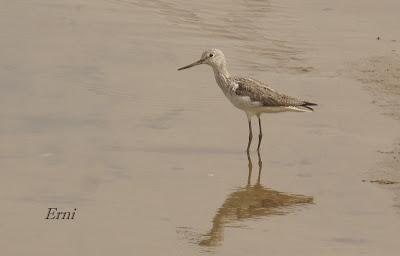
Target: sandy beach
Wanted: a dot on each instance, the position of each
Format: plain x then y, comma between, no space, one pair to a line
95,116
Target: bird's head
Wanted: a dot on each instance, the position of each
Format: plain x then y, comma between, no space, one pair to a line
211,57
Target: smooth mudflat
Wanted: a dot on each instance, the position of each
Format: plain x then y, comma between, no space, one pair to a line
96,117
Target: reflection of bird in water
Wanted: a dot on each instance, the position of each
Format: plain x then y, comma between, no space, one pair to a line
250,95
250,202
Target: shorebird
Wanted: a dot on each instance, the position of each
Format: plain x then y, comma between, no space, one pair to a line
250,95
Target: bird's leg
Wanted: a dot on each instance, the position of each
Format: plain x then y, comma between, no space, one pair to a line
250,135
260,134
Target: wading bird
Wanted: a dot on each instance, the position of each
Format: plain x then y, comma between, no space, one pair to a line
251,96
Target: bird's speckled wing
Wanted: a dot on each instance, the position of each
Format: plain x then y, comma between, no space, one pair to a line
260,92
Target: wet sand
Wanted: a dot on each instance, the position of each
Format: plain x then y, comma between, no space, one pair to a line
96,117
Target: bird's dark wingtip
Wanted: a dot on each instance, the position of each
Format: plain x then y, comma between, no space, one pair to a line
308,105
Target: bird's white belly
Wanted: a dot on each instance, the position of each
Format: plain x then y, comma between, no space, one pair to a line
243,102
255,107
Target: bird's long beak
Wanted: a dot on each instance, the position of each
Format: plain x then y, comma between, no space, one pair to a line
193,64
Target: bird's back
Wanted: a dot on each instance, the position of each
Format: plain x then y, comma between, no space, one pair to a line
263,96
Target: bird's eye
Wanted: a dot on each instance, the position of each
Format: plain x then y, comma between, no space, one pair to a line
210,55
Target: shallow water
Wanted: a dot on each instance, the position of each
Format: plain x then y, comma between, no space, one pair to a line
96,117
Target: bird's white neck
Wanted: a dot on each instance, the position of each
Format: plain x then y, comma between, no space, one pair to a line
221,75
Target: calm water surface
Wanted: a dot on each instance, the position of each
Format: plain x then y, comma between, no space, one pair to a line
96,117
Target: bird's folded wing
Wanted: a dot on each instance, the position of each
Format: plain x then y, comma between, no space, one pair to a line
260,92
